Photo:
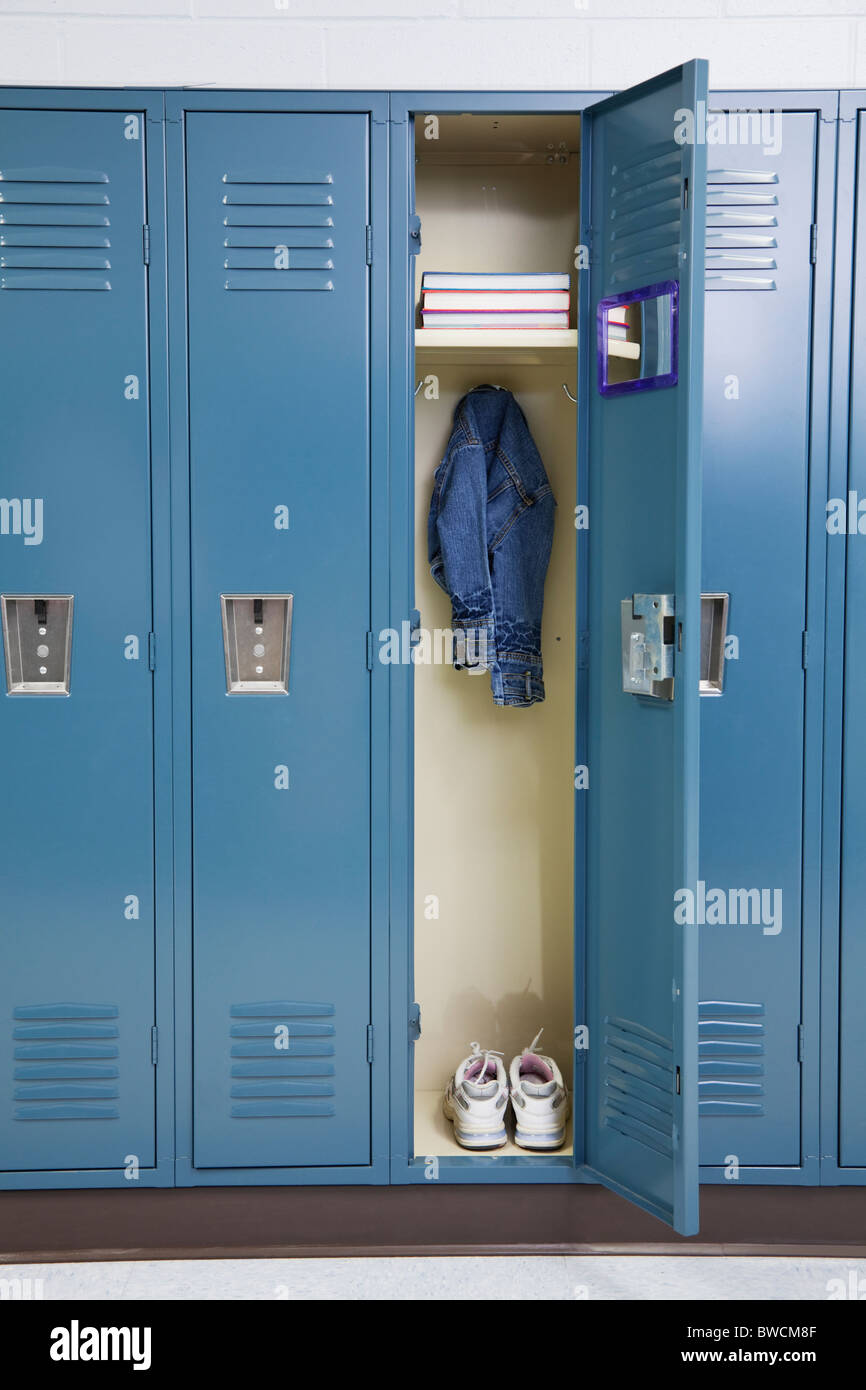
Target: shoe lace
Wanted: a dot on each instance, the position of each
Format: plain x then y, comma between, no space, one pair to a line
486,1053
534,1044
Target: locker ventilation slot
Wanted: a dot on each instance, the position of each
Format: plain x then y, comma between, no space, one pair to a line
731,1052
54,229
65,1062
278,1068
278,230
644,219
742,227
638,1084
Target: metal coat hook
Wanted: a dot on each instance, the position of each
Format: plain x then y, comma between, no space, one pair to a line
572,398
418,387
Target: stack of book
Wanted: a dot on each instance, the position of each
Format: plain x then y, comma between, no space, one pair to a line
617,325
494,301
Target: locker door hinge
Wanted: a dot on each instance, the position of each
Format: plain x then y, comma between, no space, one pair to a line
154,1046
801,1042
813,243
369,651
414,234
369,1042
151,651
369,245
583,651
805,650
145,243
414,1022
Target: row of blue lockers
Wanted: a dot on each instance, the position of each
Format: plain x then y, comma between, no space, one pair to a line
206,963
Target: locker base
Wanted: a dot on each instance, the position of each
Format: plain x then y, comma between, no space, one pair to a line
284,1222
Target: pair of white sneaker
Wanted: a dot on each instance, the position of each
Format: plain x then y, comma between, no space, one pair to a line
478,1094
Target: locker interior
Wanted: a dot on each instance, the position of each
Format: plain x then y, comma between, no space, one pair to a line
494,810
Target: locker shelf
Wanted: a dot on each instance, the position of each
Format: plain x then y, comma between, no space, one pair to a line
519,346
434,1135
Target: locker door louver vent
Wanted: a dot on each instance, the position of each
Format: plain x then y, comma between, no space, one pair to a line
742,226
731,1051
65,1062
278,1050
54,229
644,214
638,1084
279,231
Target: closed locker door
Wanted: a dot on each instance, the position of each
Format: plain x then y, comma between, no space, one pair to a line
279,449
76,712
852,963
760,209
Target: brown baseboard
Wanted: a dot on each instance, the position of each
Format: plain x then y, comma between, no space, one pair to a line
280,1222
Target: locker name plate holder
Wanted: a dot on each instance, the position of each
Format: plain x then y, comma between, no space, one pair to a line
257,636
648,626
37,641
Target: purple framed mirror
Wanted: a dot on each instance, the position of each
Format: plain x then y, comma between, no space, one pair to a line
637,339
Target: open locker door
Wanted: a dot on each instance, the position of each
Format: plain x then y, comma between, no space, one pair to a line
642,323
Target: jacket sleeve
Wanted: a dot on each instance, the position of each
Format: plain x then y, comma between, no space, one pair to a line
458,554
519,566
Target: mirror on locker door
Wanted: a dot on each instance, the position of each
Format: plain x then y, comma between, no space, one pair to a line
76,712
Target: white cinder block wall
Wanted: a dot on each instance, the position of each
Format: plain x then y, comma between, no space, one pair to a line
569,44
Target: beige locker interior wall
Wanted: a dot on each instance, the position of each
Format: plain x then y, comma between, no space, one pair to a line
503,216
494,786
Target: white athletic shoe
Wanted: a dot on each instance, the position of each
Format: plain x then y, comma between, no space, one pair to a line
476,1099
539,1098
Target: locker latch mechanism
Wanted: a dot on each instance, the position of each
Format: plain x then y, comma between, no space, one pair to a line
37,638
257,635
648,636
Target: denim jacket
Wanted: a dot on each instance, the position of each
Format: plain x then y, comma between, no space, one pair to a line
489,536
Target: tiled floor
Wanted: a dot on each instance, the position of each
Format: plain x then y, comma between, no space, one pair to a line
475,1277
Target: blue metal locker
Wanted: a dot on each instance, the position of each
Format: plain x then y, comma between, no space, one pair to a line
76,709
847,518
762,192
277,211
639,470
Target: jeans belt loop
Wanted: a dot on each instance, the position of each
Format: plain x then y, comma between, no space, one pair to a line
529,685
